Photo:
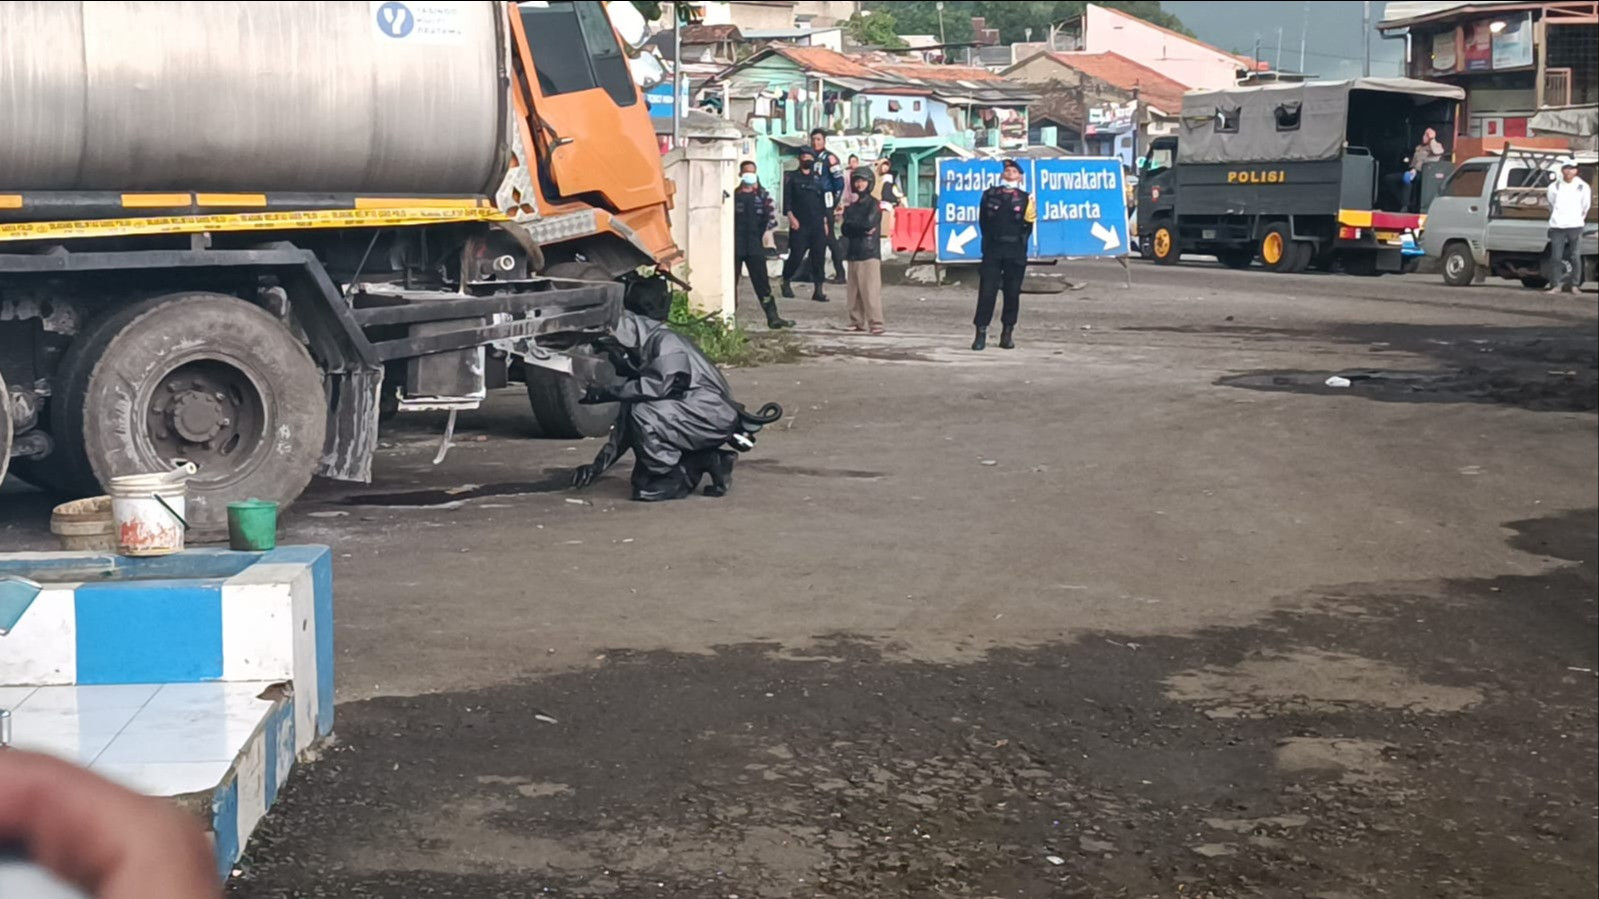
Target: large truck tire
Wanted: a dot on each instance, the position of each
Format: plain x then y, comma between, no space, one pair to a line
66,471
5,429
1279,252
204,377
555,396
1163,244
1459,267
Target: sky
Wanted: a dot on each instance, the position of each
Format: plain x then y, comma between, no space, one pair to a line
1332,44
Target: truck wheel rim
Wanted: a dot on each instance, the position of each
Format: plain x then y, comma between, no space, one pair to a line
1272,249
1162,242
209,412
1456,265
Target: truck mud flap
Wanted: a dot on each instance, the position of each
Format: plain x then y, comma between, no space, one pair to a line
354,399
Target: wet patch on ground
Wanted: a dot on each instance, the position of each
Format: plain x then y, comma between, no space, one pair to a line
1539,369
1439,742
773,466
554,481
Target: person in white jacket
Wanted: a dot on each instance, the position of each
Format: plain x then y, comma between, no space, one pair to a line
1570,198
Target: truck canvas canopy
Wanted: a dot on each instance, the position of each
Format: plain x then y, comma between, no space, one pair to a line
1284,122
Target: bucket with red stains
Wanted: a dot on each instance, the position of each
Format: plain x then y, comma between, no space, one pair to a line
148,509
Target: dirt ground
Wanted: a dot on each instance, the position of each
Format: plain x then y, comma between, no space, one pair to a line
1141,608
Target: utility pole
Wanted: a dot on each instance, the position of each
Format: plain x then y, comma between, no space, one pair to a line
1279,64
1136,126
677,75
1257,51
1365,39
941,38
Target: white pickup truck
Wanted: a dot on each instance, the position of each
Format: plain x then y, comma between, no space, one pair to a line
1492,218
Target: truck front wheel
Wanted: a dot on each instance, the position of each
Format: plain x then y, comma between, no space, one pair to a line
204,377
1163,244
1459,268
554,396
5,429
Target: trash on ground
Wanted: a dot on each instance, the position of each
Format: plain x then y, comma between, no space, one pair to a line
1338,381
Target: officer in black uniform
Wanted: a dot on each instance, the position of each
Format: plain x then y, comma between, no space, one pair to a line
753,214
1005,217
805,201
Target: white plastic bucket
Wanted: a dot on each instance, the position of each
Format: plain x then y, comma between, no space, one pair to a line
148,510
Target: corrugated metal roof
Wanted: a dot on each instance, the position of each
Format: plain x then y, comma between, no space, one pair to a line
1406,10
822,60
1119,71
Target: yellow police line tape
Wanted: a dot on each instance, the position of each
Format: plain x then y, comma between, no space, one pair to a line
248,221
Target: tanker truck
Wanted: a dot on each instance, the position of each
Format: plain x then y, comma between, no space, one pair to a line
240,234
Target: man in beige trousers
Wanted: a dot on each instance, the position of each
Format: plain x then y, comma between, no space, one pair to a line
862,229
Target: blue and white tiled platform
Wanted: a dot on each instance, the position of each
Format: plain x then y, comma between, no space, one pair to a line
201,676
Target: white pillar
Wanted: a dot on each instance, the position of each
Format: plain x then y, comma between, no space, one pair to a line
705,171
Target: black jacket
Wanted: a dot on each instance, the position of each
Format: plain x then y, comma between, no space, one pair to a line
1005,216
752,215
804,198
862,228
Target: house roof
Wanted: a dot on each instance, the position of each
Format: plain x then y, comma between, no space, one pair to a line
939,73
710,34
1403,14
1244,61
822,60
1119,71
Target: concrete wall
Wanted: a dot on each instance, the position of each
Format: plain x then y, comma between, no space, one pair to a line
931,115
1178,58
704,172
750,14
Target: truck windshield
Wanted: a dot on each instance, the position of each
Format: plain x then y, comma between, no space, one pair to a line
574,49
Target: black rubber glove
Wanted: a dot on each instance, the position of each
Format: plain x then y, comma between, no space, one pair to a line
584,475
595,394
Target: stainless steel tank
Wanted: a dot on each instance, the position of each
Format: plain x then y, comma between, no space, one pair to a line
380,96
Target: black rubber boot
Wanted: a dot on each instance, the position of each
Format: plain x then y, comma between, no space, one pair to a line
773,320
1005,341
819,296
981,339
721,474
788,290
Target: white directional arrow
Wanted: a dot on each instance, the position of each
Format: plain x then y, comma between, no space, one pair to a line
1108,235
959,239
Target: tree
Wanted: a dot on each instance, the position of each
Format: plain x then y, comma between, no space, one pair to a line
878,29
1011,17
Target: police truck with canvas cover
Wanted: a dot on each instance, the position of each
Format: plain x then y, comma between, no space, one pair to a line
1289,174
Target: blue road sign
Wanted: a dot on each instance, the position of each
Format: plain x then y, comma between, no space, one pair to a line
961,183
1082,207
1080,201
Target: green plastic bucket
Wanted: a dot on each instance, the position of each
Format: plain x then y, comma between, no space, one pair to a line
253,525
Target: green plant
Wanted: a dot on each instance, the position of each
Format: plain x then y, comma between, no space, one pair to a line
723,341
875,29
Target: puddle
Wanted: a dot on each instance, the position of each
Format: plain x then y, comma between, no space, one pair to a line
805,471
555,480
1541,389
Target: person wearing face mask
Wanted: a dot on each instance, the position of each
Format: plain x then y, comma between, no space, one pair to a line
752,213
1005,219
805,202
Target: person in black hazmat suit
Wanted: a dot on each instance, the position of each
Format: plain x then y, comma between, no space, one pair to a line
677,413
1005,216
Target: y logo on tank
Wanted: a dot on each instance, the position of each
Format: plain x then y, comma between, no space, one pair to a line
395,19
